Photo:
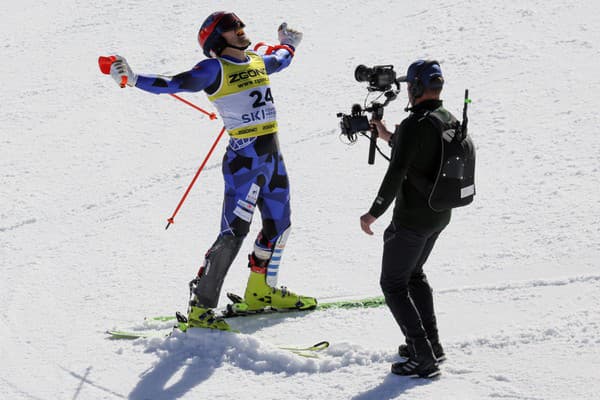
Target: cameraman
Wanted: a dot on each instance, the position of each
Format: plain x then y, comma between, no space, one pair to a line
409,239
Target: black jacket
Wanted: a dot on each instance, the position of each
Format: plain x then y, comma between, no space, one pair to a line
416,146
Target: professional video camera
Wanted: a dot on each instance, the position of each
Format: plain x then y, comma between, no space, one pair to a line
380,78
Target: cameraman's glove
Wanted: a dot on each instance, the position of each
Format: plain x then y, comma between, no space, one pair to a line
119,69
288,36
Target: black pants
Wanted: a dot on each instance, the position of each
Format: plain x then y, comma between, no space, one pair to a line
404,284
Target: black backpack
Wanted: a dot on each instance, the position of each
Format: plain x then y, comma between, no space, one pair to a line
454,185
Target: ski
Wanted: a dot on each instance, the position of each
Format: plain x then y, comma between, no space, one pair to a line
118,334
308,351
228,312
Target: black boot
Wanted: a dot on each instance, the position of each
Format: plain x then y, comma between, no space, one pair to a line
438,352
420,363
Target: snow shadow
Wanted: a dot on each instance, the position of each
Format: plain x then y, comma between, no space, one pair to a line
153,384
391,387
187,360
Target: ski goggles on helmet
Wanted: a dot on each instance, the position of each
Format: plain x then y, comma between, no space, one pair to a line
228,22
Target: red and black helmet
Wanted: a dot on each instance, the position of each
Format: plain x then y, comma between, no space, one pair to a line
209,36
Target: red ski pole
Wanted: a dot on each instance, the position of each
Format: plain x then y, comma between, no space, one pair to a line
210,115
105,63
172,219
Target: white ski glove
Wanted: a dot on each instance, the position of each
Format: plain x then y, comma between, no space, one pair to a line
288,36
119,69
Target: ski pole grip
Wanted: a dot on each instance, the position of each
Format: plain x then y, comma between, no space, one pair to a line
283,46
105,63
269,49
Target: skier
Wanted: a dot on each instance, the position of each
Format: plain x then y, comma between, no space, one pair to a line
236,81
415,227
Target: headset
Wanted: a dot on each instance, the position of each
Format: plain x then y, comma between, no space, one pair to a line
417,88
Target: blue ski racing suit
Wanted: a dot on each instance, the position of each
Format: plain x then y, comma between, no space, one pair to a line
253,168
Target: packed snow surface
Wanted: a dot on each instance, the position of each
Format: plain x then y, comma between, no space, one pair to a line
90,173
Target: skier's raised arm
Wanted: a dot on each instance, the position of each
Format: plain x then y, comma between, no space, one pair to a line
282,57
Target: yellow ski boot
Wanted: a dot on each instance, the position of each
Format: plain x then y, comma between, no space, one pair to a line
200,317
259,295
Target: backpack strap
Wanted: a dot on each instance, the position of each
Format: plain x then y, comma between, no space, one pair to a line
416,179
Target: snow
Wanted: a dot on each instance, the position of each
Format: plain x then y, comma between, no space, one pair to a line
90,173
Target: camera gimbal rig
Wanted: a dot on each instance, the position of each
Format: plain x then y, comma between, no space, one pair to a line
380,78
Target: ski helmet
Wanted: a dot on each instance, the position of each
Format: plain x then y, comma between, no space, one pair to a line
209,36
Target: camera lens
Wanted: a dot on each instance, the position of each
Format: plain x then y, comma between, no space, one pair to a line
362,73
